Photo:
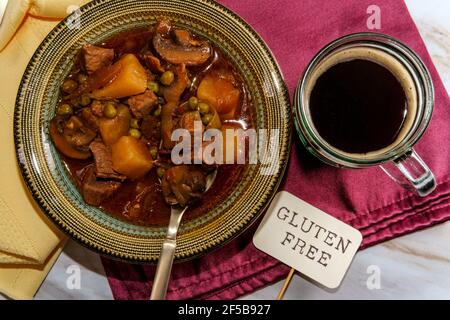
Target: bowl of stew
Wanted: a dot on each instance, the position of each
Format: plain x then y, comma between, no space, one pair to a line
97,108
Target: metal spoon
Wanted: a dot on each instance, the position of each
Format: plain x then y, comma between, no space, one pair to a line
165,262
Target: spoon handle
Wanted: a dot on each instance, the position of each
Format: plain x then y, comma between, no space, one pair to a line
165,262
163,270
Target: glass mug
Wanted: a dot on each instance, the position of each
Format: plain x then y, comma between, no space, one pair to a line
399,161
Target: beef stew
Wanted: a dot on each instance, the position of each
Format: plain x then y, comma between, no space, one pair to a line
117,111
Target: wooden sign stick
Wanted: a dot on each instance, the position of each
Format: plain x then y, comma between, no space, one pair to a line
286,284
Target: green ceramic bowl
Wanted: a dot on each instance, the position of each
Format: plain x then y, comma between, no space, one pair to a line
49,181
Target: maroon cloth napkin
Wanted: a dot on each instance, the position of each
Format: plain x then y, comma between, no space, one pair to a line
367,199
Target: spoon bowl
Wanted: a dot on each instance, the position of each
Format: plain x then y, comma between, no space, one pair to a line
165,262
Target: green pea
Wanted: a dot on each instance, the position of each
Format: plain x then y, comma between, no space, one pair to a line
134,123
154,152
82,78
110,110
135,133
69,86
75,102
85,100
203,108
206,119
193,103
160,172
167,78
157,112
153,86
64,109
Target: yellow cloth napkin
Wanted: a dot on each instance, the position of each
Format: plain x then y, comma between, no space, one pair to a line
18,9
29,242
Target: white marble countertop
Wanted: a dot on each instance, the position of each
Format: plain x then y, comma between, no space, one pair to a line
416,266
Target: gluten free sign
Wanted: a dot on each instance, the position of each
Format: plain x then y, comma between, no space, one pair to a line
307,239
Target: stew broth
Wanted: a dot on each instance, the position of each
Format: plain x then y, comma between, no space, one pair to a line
141,201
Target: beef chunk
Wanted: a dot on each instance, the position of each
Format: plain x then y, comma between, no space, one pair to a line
163,26
151,62
141,105
183,185
96,58
188,120
151,129
103,162
96,191
97,108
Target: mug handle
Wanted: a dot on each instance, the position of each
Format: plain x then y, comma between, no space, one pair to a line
412,173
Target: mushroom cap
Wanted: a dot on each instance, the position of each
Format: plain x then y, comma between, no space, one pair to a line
179,47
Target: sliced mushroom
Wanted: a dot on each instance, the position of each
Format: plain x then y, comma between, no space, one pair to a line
181,48
66,148
77,133
184,38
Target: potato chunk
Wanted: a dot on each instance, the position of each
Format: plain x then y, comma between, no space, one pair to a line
131,80
112,129
131,157
220,93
